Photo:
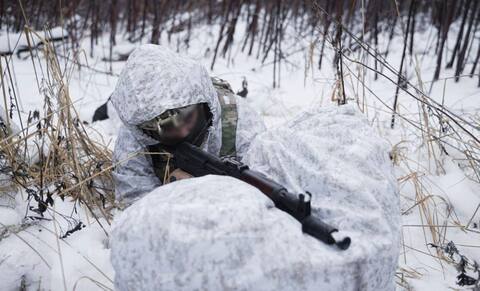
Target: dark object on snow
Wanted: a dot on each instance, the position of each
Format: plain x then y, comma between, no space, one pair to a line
462,265
198,162
49,39
465,280
243,93
101,113
119,57
77,227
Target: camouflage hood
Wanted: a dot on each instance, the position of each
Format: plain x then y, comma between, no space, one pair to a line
156,79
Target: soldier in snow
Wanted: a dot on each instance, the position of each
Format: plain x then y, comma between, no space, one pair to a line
162,99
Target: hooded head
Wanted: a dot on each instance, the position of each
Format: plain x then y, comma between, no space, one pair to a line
155,80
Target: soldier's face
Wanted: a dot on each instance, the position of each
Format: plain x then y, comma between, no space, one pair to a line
181,131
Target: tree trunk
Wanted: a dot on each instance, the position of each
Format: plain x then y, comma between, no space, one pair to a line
460,34
400,71
466,41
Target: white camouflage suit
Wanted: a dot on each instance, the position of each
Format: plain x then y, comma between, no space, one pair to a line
217,233
154,80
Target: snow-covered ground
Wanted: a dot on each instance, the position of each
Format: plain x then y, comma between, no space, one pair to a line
37,257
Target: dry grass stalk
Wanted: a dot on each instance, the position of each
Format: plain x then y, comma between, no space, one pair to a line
63,153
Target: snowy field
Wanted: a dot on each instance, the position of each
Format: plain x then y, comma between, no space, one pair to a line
34,258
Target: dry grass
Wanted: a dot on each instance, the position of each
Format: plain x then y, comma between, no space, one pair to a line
53,155
50,155
440,135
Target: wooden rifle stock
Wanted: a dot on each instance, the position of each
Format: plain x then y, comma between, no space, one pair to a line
198,162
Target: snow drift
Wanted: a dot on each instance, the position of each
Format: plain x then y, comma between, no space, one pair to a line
218,233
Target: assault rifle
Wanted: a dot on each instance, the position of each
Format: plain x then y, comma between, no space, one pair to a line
198,162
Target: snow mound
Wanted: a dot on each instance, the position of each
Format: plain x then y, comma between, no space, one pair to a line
218,233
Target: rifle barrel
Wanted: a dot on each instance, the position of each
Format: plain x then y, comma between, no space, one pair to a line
198,162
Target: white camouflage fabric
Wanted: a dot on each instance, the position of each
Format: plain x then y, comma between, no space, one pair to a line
218,233
154,80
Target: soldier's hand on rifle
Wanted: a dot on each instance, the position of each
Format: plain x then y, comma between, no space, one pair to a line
178,174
